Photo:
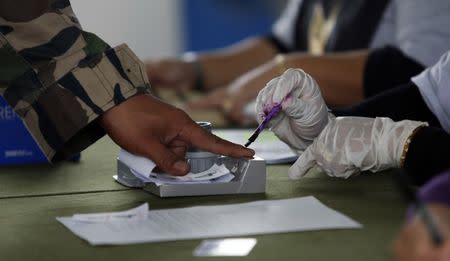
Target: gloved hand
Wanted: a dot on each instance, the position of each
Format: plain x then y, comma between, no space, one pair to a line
304,112
349,145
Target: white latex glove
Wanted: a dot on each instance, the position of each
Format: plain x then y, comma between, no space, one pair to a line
349,145
304,112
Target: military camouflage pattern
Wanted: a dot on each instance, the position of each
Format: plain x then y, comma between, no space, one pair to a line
60,79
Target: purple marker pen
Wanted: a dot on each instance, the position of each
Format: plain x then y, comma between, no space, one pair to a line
273,113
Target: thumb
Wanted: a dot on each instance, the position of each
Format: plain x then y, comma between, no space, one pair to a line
167,160
304,163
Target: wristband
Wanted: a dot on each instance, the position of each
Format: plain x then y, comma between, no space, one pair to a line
199,74
407,144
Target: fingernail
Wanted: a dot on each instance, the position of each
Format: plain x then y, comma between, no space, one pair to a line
181,166
250,152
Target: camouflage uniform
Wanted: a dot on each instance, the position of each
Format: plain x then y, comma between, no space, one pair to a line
58,78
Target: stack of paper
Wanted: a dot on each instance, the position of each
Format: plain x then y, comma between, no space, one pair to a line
143,168
261,217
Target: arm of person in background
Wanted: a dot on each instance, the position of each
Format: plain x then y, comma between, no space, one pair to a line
399,103
414,242
344,78
216,69
331,71
210,70
420,37
69,87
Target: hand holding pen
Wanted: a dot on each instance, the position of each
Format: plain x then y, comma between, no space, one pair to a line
272,114
302,113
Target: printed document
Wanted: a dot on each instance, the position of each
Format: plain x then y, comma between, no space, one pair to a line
254,218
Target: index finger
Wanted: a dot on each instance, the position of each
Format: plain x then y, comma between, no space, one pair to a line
204,140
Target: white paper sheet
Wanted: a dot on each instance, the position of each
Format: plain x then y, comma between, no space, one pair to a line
140,212
267,146
141,165
260,217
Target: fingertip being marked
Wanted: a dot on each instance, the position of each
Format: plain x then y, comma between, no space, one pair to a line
249,152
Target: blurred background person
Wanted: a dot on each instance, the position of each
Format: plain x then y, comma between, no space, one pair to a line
342,44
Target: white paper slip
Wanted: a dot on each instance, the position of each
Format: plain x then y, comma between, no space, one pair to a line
159,182
140,212
254,218
267,146
141,165
225,247
142,168
214,172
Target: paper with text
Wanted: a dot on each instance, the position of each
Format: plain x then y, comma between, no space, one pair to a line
255,218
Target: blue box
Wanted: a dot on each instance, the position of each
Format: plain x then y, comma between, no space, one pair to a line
17,146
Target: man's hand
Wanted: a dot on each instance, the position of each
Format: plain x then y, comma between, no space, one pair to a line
146,126
414,243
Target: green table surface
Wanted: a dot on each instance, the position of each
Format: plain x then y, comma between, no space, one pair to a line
31,197
93,173
30,232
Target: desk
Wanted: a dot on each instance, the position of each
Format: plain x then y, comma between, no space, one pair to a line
31,198
92,174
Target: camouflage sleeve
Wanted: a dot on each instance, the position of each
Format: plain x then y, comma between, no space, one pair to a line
59,79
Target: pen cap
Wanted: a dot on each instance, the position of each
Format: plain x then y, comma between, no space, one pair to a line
198,159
